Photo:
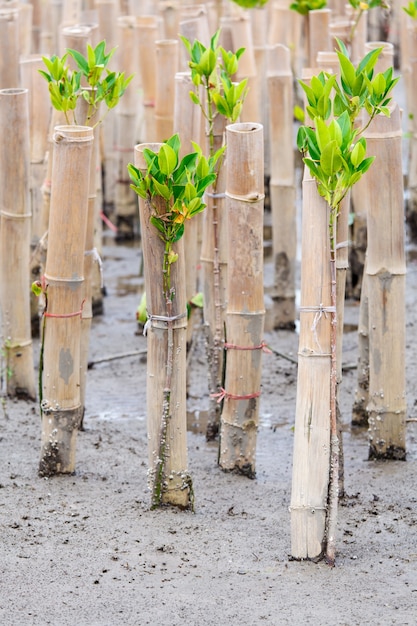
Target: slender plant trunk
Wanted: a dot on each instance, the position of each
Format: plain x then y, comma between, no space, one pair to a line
282,187
62,283
169,479
245,308
15,231
311,461
386,281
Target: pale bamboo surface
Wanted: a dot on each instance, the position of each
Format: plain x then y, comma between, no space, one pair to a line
319,36
9,48
282,186
169,439
126,129
76,38
25,13
187,123
214,257
410,66
149,30
386,270
245,307
359,410
15,234
167,63
310,479
63,280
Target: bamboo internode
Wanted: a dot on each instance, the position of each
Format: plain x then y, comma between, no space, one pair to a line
63,285
9,47
167,55
166,334
245,307
15,232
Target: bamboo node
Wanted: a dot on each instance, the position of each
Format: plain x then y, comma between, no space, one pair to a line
215,195
75,314
15,216
224,395
319,312
250,197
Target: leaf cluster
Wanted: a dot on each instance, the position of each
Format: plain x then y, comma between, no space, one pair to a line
181,184
411,9
65,85
250,4
305,6
214,68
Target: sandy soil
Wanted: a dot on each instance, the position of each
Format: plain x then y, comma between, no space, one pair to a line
87,550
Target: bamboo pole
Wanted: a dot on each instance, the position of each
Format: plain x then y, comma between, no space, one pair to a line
167,60
25,12
15,228
62,282
245,307
166,415
39,118
386,270
411,65
126,129
282,186
187,123
9,47
148,32
214,257
319,36
311,461
359,410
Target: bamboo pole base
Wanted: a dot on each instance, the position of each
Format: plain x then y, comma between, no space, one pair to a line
282,314
59,434
411,212
383,448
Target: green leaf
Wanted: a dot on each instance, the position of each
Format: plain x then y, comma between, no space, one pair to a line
80,60
348,74
158,223
330,160
167,159
358,153
179,233
161,190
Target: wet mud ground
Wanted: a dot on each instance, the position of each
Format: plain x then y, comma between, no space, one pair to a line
87,550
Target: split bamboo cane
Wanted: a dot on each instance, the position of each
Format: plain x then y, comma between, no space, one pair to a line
245,307
311,462
62,282
385,268
15,230
166,366
282,186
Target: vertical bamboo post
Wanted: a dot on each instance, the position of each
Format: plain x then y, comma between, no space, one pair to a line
385,268
286,28
319,36
25,13
245,307
148,31
15,228
282,186
187,122
411,65
126,128
62,282
310,480
9,48
214,257
167,54
359,410
166,417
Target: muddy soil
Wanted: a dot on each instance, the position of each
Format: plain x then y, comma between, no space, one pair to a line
87,550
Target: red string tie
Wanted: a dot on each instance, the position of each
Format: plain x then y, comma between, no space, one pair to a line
262,346
46,314
224,395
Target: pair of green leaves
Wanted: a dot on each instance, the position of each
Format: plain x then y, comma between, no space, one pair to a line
181,183
65,86
411,9
214,68
305,6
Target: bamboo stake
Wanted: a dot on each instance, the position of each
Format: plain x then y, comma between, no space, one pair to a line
25,12
166,365
15,242
245,308
9,48
167,59
411,64
60,357
187,122
319,36
310,481
359,410
286,28
282,187
214,257
126,128
148,32
386,283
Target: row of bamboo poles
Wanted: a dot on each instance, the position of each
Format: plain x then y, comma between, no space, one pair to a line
44,198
